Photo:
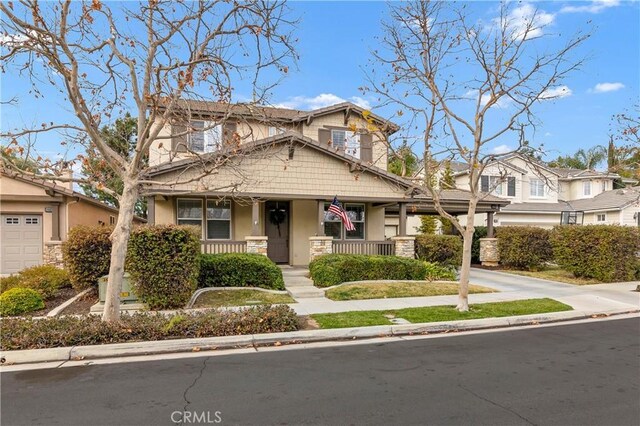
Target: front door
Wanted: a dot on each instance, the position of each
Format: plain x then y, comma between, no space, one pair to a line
277,230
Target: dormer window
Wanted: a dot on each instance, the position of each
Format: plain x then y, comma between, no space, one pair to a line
205,136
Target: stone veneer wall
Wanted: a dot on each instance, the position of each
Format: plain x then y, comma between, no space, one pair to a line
52,254
405,246
257,244
319,246
489,255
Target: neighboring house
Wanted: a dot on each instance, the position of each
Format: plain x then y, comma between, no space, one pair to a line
272,195
545,197
36,217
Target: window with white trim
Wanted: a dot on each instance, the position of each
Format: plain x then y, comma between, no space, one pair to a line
586,188
604,185
495,182
347,140
218,220
189,212
273,131
205,136
333,226
536,187
601,217
12,221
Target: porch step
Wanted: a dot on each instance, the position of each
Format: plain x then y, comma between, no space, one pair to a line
298,284
305,292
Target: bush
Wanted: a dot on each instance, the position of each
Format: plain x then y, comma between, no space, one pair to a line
441,249
24,333
18,301
479,232
163,263
45,279
239,270
524,247
87,254
604,252
332,269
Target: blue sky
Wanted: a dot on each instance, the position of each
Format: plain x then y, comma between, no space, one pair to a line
335,40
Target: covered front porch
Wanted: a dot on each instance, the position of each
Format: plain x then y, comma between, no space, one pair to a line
289,230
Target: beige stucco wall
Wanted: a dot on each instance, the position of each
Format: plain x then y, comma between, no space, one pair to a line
241,220
309,173
374,223
575,190
304,215
627,215
84,213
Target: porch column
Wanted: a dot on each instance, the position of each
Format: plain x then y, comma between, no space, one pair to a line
320,230
490,225
402,229
55,222
405,246
151,210
255,219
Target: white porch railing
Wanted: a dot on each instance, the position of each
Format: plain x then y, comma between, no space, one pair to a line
386,248
216,247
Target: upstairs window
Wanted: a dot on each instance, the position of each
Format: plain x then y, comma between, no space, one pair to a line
604,185
346,140
536,188
205,136
273,131
586,188
495,184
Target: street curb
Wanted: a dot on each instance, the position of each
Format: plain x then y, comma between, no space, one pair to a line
75,353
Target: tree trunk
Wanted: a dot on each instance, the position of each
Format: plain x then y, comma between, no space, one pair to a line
465,269
119,242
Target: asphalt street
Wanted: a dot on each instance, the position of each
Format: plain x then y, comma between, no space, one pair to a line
581,374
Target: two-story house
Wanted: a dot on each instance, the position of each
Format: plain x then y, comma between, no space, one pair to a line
544,196
261,179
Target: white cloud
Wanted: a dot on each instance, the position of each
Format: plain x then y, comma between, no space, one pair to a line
12,40
501,149
607,87
503,102
556,93
321,101
547,134
526,21
595,6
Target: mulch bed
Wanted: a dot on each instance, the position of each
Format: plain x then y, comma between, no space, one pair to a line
83,304
62,296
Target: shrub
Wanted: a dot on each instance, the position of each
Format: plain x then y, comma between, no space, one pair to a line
163,263
24,333
87,254
479,232
18,301
442,249
239,270
332,269
45,279
524,247
604,252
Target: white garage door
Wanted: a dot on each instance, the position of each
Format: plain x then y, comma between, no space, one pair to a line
21,239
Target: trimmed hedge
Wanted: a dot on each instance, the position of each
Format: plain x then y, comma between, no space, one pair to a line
332,269
87,254
524,247
441,249
18,301
604,252
239,270
24,333
45,279
163,261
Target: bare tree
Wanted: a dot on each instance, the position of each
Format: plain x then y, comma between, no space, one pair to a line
465,84
146,58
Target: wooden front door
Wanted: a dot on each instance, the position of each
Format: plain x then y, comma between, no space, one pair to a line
277,230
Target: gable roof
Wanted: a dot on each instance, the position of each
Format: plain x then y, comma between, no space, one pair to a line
567,173
615,199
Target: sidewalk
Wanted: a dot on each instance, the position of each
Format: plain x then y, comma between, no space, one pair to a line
605,297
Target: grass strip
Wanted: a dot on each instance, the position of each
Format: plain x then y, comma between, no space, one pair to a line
221,298
399,289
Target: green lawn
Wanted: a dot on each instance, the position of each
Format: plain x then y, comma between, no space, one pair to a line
440,313
398,289
221,298
555,274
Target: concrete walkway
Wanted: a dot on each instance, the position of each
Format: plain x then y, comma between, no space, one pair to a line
604,297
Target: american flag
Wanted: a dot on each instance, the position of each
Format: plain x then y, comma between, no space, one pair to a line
336,209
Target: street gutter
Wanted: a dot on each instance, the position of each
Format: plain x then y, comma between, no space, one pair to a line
77,353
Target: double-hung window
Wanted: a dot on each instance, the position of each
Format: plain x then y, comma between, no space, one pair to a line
205,136
190,212
586,188
333,226
347,140
218,220
495,185
601,217
536,188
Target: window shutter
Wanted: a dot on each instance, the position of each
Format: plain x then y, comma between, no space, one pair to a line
178,143
484,183
230,128
324,136
511,186
366,148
